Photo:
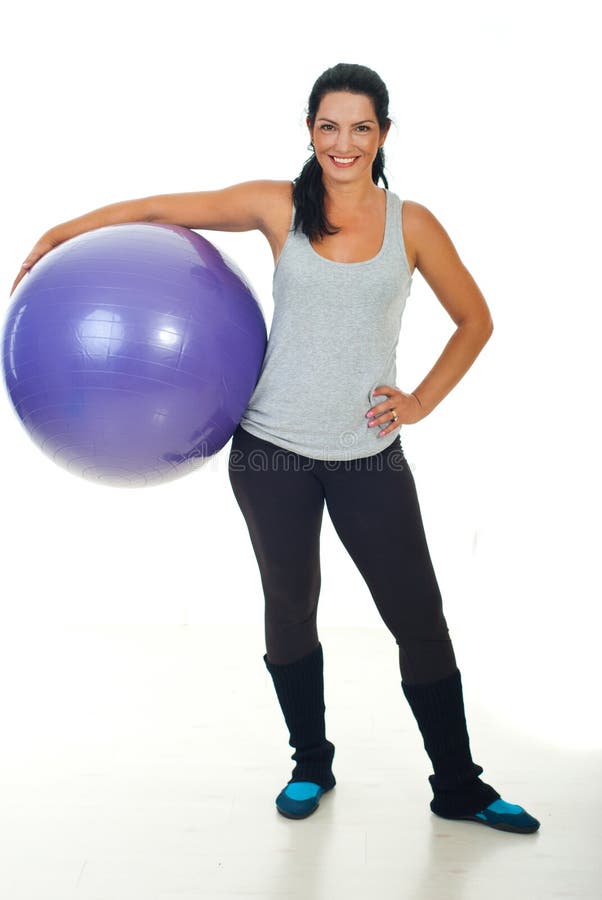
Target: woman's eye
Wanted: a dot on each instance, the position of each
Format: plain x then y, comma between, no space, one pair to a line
327,125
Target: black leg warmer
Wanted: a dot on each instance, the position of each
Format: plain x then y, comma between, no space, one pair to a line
438,708
300,689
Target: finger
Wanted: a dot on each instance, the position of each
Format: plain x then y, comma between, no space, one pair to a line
381,419
384,406
384,419
381,409
383,389
17,280
389,429
25,268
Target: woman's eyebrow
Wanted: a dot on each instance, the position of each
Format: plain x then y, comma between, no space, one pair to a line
322,119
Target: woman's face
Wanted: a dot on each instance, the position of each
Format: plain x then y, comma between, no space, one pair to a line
346,128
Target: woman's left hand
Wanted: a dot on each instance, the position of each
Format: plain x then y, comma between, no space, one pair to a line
406,406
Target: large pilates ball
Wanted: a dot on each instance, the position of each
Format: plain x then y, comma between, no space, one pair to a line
130,352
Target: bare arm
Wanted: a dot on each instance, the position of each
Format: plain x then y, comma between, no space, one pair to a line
240,207
114,214
457,291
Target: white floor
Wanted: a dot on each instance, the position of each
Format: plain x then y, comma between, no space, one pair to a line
143,762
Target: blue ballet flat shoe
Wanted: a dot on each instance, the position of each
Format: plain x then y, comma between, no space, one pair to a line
299,799
503,816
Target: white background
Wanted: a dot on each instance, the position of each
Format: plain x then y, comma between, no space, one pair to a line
496,116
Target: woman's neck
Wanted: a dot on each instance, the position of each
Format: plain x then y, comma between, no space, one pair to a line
350,197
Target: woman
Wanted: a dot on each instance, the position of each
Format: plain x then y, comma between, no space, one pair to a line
323,425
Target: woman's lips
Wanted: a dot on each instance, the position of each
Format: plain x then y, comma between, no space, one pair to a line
342,165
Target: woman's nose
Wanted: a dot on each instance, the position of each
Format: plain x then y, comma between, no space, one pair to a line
344,146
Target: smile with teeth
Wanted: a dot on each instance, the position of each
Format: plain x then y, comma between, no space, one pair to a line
344,160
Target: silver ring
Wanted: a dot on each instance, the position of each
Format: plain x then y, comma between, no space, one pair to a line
395,416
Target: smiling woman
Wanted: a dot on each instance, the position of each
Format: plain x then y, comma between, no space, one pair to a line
343,274
323,424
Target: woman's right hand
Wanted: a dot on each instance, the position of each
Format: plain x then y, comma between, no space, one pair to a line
46,243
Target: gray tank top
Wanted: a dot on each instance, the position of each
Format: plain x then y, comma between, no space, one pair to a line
333,339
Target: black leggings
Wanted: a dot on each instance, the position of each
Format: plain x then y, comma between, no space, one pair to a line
373,505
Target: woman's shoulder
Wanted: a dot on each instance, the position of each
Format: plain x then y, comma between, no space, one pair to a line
418,224
276,213
275,199
422,230
279,185
282,190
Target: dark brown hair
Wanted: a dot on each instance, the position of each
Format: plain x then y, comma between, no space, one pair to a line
308,190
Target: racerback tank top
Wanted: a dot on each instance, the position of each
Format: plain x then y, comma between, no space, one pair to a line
333,339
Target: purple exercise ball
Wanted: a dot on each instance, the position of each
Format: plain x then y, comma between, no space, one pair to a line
130,352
